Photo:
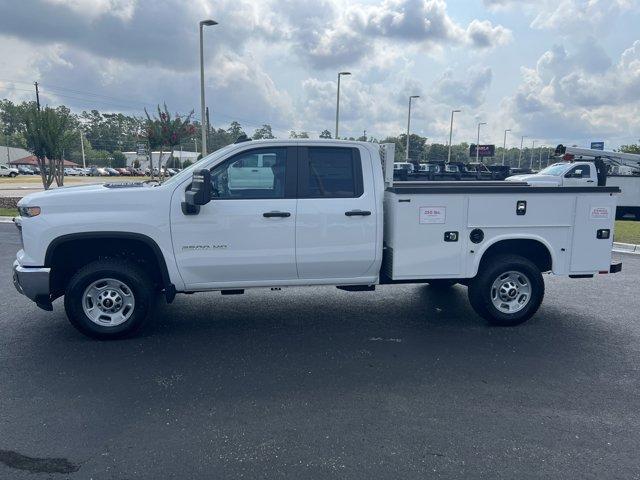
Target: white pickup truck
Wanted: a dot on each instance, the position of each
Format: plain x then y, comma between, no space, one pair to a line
585,174
325,213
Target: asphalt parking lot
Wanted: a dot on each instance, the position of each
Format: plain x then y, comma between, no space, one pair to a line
403,383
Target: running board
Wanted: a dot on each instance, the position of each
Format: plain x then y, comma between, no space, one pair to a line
232,292
356,288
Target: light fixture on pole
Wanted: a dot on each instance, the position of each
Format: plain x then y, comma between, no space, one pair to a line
451,134
406,153
340,74
521,146
478,142
504,146
202,24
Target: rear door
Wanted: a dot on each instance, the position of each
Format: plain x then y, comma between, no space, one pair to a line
336,216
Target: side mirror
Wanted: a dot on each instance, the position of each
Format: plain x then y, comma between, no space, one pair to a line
200,193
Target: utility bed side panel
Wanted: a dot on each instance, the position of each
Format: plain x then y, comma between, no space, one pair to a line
630,186
590,254
415,236
499,210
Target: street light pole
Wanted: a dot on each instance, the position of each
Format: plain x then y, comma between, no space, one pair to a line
521,146
338,101
504,147
533,147
451,134
406,153
202,24
540,159
478,142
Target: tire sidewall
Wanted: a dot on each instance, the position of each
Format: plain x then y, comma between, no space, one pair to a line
481,290
75,292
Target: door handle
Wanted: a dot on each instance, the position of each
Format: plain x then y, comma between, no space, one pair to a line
276,214
357,213
589,181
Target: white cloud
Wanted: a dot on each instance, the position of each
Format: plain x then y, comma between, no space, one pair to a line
564,97
470,91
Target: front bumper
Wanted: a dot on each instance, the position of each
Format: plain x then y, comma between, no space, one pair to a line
33,283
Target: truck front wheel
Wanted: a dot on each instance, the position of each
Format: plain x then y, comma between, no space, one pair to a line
109,299
507,291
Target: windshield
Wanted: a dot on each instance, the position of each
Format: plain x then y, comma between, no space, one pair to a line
555,170
187,172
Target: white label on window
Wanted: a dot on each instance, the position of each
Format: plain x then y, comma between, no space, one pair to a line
433,214
600,213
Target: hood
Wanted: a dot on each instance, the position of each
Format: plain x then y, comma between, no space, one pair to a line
80,193
536,179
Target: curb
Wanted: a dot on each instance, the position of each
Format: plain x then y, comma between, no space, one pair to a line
6,219
626,248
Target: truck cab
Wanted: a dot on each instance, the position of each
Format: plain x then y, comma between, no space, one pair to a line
561,174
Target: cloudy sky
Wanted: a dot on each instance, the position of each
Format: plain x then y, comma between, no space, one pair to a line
554,70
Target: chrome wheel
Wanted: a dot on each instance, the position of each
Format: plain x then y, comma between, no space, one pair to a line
511,292
108,302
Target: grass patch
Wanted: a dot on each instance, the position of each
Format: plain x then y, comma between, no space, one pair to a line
8,212
627,231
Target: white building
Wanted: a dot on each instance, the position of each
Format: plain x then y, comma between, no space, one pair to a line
181,155
9,154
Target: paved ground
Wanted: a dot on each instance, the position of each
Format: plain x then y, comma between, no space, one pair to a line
319,383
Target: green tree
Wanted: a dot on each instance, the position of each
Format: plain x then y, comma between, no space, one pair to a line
263,132
118,159
165,131
325,134
47,137
235,130
632,148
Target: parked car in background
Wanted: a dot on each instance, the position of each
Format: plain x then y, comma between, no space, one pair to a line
123,171
71,172
24,170
112,172
6,171
98,172
170,171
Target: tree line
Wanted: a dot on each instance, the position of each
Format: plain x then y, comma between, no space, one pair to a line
104,136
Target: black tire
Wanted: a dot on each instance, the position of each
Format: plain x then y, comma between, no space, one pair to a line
13,174
442,283
481,289
133,276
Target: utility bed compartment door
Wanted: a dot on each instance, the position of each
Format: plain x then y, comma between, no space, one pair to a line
590,254
416,228
541,210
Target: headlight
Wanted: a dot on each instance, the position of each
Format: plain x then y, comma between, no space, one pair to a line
29,211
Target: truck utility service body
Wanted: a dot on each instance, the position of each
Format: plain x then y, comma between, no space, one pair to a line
297,213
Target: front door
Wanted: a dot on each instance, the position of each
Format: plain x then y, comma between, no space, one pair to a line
336,219
579,176
246,234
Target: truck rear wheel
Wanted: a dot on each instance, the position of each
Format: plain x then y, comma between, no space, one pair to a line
109,299
507,291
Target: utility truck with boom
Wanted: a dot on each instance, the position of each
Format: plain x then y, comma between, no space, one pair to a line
278,213
583,167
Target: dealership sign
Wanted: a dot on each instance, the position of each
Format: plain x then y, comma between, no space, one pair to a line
483,151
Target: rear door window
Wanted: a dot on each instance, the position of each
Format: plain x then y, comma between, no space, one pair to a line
330,172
